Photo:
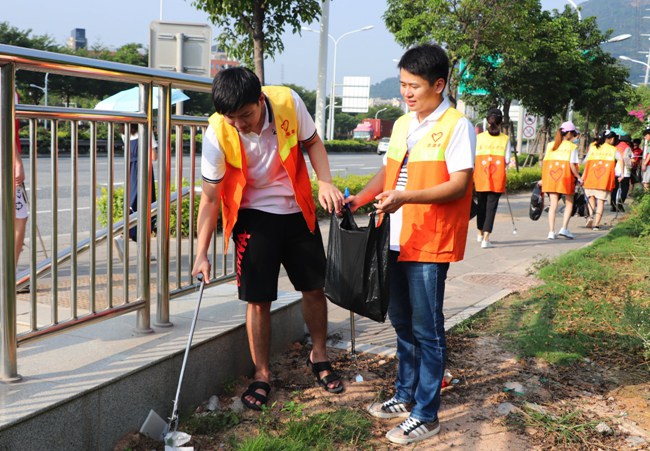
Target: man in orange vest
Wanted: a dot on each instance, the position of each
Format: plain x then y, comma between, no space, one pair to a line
426,187
252,163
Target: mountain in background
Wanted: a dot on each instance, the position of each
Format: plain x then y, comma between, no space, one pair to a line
624,16
387,89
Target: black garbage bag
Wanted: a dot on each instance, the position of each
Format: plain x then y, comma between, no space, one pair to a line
579,202
536,203
357,265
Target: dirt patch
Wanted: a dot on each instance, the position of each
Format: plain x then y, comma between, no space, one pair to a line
584,397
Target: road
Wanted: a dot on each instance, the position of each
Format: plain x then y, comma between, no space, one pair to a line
340,165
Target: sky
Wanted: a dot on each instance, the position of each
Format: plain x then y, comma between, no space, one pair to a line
118,22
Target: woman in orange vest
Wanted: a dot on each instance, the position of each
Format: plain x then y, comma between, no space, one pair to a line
602,164
492,155
559,174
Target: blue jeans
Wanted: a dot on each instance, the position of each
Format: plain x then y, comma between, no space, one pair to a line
415,309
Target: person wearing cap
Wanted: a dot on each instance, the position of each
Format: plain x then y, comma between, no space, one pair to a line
492,155
602,164
622,186
559,174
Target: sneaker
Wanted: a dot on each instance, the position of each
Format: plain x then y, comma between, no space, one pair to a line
596,229
590,222
119,247
23,290
566,234
389,409
486,245
551,236
479,238
412,430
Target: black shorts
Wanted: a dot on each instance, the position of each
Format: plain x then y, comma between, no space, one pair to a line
263,241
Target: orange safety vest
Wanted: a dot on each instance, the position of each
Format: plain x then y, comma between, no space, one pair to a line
600,167
234,180
436,232
556,171
490,163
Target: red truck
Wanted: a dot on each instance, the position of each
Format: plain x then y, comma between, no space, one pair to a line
373,129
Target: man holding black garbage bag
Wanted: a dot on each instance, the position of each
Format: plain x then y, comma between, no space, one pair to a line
426,187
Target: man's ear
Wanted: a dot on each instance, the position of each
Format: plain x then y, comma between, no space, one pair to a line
439,85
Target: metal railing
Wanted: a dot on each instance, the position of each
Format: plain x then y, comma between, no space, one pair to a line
75,284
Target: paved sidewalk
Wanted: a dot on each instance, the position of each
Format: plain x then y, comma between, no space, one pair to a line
483,277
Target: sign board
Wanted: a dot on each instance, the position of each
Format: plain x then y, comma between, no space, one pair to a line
530,126
356,93
180,47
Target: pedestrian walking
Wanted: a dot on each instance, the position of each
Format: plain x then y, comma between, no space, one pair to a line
492,155
559,174
602,164
622,184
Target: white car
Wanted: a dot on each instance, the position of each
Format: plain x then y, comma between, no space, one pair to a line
382,147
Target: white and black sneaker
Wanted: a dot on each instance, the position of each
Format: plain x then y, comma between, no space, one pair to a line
412,430
392,408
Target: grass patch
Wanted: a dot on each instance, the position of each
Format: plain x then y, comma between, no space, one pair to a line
211,423
593,303
338,429
570,428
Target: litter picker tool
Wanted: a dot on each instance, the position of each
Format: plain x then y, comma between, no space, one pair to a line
514,227
154,426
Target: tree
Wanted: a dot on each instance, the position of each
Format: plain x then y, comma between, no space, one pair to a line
469,29
307,96
389,112
252,29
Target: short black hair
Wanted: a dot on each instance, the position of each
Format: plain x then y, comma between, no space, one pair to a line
428,61
234,88
646,131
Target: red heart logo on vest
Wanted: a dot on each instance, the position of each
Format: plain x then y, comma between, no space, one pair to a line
436,136
556,174
599,171
490,169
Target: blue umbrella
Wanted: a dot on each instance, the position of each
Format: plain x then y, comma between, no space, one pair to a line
128,100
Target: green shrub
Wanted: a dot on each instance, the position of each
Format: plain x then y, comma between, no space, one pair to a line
350,146
118,207
639,220
533,159
522,180
354,183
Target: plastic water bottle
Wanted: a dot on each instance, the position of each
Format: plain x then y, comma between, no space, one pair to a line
446,379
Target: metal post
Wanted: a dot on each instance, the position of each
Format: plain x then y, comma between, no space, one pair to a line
322,69
8,343
330,124
144,212
164,180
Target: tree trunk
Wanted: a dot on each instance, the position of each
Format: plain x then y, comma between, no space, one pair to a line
258,39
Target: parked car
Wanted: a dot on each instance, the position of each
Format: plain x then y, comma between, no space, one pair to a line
382,147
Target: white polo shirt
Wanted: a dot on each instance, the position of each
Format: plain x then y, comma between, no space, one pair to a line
268,186
459,155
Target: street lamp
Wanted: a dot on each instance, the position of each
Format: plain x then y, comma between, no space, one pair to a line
44,89
330,125
576,8
647,65
379,111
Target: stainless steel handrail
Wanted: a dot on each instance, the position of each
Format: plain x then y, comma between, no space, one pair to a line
65,263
